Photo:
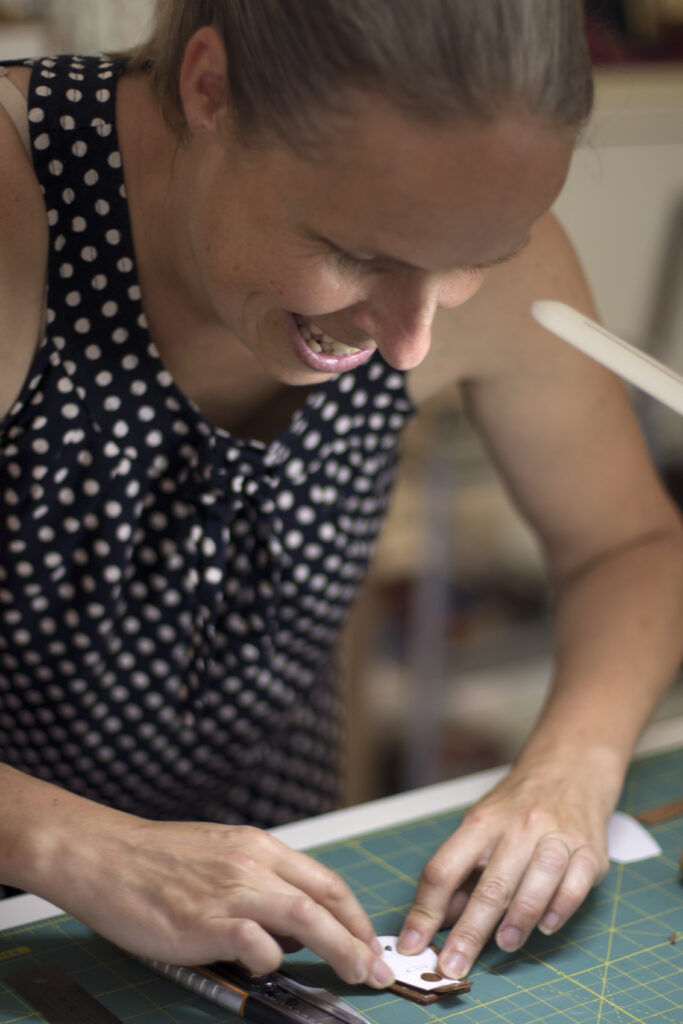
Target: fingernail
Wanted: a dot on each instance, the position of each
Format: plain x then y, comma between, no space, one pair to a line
380,975
409,941
454,965
509,939
549,923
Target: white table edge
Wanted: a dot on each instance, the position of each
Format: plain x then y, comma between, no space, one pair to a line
372,816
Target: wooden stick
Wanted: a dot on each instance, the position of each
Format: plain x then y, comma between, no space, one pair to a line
664,812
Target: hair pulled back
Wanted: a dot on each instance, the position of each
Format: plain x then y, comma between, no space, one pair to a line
291,63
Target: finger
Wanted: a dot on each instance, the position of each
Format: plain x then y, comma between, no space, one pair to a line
297,915
586,868
328,890
287,944
245,940
490,899
544,874
445,872
458,900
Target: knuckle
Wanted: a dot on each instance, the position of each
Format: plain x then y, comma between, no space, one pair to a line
534,820
245,933
255,839
525,908
466,939
303,910
552,855
335,888
476,817
569,895
242,864
492,891
436,872
591,864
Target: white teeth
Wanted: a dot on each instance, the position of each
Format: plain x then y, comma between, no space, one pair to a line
319,341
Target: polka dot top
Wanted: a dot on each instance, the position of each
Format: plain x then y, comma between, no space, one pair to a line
170,594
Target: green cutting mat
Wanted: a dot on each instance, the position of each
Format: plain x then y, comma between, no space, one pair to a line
613,964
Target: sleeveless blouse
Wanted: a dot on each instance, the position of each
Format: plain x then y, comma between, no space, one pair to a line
170,594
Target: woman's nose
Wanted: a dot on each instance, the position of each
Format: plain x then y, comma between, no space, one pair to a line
399,313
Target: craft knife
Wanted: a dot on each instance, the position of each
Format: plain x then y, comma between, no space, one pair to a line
273,998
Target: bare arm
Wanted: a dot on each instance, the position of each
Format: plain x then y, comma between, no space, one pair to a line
181,892
565,439
23,249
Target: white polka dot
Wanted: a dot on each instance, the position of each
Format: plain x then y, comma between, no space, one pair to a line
103,129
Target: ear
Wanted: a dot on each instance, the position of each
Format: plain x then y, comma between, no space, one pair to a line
204,90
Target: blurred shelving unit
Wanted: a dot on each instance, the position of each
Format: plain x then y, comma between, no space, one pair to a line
33,28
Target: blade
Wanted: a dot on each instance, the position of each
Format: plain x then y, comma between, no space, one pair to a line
305,1003
322,998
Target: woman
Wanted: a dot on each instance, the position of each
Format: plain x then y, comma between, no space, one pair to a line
268,238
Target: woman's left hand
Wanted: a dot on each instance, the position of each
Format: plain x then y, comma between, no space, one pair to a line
525,856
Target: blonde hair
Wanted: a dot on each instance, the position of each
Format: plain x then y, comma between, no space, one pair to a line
292,63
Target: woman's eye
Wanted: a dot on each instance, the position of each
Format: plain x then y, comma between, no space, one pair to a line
349,262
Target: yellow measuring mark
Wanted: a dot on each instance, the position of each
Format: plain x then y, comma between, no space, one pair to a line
7,954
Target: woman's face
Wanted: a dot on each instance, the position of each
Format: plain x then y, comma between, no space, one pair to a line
315,263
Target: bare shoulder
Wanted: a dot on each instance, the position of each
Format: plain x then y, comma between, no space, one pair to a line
23,254
558,426
493,333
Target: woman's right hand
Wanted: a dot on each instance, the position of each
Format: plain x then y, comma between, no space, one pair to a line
184,892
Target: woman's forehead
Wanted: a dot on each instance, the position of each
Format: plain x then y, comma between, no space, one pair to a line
400,183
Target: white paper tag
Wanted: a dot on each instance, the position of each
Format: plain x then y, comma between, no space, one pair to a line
628,840
418,970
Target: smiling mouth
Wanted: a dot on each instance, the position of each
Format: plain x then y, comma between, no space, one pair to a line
319,341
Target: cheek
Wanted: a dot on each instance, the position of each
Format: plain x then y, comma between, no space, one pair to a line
310,289
458,288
